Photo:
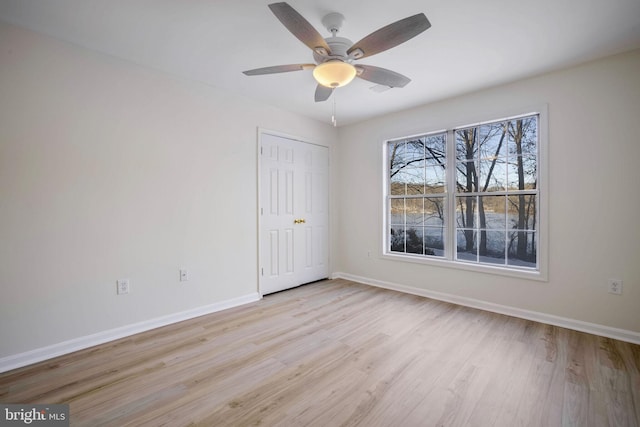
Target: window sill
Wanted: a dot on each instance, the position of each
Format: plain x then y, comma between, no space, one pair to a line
527,274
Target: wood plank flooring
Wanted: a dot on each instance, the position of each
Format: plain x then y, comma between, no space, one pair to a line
337,353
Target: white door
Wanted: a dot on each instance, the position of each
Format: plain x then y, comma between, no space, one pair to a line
294,218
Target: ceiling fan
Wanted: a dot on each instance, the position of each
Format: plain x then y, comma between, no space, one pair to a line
334,56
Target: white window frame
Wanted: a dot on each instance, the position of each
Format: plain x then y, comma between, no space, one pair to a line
449,261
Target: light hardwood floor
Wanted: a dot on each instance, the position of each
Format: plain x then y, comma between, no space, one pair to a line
337,353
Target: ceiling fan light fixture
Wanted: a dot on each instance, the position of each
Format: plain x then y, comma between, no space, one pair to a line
334,73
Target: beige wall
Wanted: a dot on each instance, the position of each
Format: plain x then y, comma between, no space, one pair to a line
109,170
594,201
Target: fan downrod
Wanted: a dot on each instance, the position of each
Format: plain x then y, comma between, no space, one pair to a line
333,22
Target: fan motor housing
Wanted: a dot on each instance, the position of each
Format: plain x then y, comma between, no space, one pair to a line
338,46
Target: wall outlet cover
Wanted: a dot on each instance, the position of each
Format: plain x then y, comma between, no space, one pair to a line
614,286
122,286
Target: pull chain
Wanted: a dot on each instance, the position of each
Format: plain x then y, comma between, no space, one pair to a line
334,122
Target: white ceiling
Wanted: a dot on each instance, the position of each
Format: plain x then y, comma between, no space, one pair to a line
471,44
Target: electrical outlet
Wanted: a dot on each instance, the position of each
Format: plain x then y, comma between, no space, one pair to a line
122,286
184,275
615,286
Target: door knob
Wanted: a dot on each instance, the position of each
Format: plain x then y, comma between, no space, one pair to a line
299,221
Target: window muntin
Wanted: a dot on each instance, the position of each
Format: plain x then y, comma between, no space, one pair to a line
487,214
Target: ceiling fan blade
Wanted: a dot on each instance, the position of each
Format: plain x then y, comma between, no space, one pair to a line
323,93
390,36
278,69
382,76
300,27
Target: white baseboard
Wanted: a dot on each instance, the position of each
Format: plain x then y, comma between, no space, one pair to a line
38,355
578,325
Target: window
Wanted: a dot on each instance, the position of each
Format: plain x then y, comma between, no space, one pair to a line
417,190
496,192
479,206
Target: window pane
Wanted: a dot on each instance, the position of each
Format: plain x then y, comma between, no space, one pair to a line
434,211
413,171
415,211
396,239
513,181
406,168
396,163
522,249
410,179
466,177
415,149
466,145
492,175
435,146
415,181
491,212
434,241
492,247
466,212
523,137
397,211
522,212
414,240
466,248
523,149
493,141
435,179
522,173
